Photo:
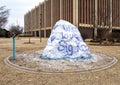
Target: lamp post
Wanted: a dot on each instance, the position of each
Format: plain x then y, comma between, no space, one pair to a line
45,12
40,27
96,20
110,16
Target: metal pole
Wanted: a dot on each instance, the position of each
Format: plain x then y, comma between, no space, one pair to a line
13,48
96,19
40,36
40,27
110,23
45,12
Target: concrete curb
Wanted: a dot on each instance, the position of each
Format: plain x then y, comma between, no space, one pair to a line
10,64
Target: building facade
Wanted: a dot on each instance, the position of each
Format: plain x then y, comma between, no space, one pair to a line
90,16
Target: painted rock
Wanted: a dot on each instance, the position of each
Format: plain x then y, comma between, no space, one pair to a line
65,42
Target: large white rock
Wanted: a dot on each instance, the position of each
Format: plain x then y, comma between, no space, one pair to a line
65,42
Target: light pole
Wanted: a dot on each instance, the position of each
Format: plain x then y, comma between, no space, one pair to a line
96,20
40,27
110,16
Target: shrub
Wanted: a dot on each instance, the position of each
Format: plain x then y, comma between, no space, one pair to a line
25,35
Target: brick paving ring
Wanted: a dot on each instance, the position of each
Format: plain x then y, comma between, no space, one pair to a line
33,63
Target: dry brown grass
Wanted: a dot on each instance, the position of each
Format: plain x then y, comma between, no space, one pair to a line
11,76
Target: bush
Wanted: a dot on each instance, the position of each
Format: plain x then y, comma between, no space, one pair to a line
116,35
84,36
4,33
25,35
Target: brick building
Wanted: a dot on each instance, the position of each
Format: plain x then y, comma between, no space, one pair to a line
90,16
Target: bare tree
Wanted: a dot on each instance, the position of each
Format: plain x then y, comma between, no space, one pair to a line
15,30
4,13
28,27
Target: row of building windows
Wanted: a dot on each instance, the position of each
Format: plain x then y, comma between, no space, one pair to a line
81,13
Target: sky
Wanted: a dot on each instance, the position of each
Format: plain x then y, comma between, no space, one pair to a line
17,10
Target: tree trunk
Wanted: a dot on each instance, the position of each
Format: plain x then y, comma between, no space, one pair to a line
29,37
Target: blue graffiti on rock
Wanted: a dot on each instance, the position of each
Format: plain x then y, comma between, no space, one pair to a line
52,38
63,46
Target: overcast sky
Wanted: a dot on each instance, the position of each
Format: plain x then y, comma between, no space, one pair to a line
17,9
